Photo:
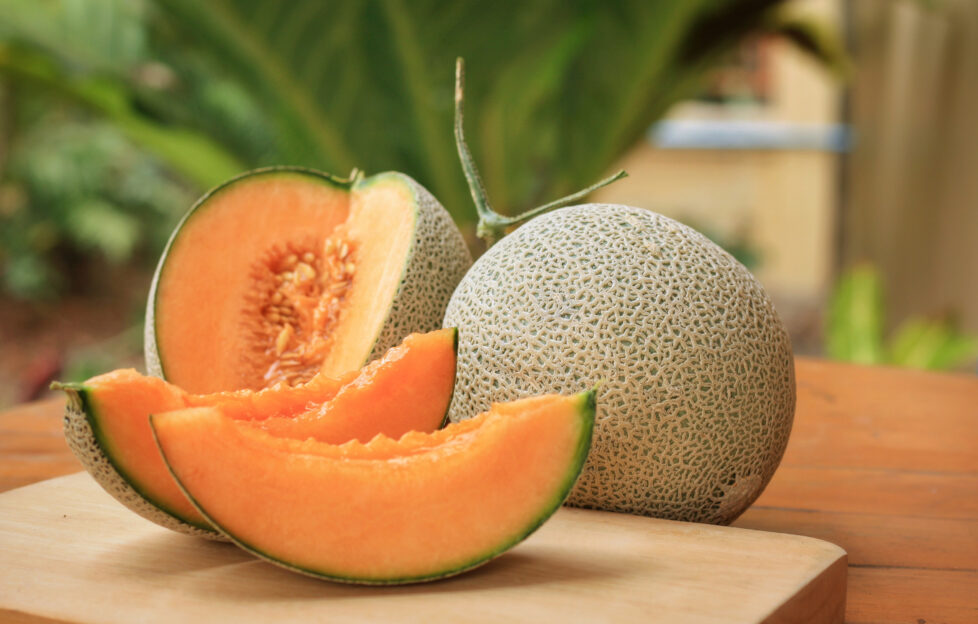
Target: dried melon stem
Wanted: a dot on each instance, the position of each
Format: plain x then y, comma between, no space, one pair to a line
295,303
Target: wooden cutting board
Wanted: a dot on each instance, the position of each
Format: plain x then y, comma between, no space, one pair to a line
69,552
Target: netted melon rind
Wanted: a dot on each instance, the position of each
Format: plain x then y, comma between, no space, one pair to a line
698,390
435,264
83,443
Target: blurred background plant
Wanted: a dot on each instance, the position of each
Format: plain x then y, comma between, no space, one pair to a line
857,324
208,89
115,114
72,189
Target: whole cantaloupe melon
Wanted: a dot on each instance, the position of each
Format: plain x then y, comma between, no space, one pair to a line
698,388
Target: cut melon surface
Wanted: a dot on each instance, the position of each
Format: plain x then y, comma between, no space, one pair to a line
419,508
409,389
107,419
281,273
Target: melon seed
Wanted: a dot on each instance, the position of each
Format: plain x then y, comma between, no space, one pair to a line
304,273
283,339
290,340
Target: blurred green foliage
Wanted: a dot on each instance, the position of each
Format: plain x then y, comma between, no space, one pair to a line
856,327
73,188
122,349
171,96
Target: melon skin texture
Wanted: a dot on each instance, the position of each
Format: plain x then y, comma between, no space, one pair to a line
436,259
697,389
84,441
421,508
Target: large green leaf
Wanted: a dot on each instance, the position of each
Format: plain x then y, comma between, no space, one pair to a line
557,91
189,152
91,53
107,36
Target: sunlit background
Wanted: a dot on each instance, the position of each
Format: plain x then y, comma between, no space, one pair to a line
831,146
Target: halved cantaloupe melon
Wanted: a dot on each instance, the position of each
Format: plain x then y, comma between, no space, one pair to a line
107,426
283,272
419,508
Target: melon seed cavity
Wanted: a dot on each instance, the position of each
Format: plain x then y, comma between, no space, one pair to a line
297,294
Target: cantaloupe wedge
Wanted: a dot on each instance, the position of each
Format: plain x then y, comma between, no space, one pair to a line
107,418
384,398
389,511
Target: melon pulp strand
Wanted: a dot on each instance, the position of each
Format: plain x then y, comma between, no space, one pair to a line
419,508
107,426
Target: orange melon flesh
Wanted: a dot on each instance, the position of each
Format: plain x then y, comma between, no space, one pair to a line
408,389
382,223
119,403
211,300
422,507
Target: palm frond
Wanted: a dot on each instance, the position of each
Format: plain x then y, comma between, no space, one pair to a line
557,91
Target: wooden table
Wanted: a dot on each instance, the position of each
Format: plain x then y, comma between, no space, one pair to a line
882,462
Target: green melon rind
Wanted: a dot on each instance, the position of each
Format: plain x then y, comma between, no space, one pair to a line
451,395
90,445
435,263
586,409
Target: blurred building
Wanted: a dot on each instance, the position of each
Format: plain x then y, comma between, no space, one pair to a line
754,163
805,175
911,192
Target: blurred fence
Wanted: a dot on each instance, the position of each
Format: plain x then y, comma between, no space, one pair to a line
912,199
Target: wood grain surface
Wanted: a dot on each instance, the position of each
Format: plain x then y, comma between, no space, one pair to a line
65,540
882,462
